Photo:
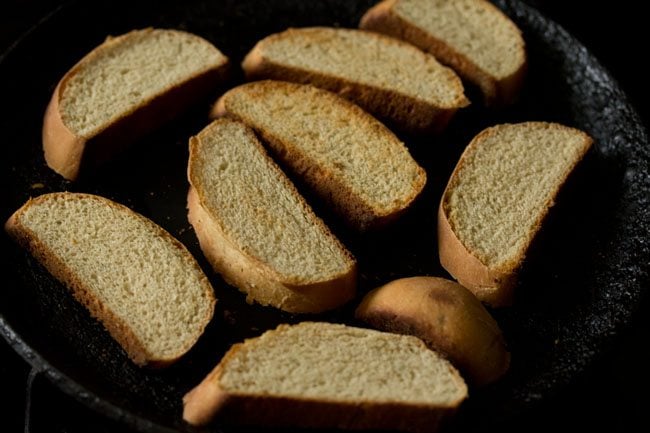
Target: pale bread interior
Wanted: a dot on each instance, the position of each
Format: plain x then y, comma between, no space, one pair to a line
474,28
334,136
127,71
334,362
258,208
369,59
505,183
142,277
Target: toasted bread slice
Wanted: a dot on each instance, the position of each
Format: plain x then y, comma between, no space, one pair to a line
257,231
350,159
472,36
496,199
447,317
140,282
327,376
124,88
389,78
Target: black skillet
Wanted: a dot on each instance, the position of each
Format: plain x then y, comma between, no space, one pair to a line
581,284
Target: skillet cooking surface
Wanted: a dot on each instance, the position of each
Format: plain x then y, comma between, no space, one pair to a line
582,281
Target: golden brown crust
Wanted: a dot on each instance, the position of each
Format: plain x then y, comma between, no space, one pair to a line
254,276
332,188
70,154
494,286
446,316
496,91
405,112
117,328
209,400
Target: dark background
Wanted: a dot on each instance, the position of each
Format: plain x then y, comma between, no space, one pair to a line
614,395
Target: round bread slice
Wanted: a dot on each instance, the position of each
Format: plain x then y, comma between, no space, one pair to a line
351,160
447,317
391,79
257,231
497,198
472,36
123,89
140,282
329,376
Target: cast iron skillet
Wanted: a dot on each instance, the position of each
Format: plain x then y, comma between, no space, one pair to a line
581,283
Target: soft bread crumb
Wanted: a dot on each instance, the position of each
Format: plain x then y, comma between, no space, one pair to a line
391,79
471,36
474,28
500,192
368,59
323,375
346,155
338,362
129,70
132,274
257,231
505,184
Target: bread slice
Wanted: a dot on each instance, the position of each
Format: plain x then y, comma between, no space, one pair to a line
447,317
496,199
472,36
140,282
327,376
349,158
389,78
124,88
257,231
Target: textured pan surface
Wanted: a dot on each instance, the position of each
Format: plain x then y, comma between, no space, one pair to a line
581,285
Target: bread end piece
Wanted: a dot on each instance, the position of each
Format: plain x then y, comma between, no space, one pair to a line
447,317
497,91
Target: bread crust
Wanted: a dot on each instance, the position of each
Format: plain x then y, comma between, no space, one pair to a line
494,286
69,154
447,317
253,276
496,91
352,207
209,400
116,327
409,114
